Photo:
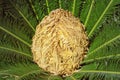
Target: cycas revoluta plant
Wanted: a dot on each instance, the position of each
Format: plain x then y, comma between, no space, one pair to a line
18,21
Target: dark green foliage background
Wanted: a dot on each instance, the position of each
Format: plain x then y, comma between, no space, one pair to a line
18,20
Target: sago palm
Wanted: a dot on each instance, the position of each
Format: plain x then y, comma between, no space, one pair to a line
99,18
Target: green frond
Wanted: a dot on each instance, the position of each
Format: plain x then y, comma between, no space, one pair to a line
19,71
23,9
73,7
60,4
54,78
92,17
53,4
15,50
102,61
48,9
107,69
10,53
101,58
77,7
99,19
86,7
97,74
39,8
33,9
89,12
103,70
29,71
107,41
22,50
67,4
11,29
12,50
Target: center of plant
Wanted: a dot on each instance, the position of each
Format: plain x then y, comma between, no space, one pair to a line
60,43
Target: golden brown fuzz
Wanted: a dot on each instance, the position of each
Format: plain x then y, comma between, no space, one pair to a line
60,43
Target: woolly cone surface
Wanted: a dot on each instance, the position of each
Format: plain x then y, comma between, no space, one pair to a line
59,43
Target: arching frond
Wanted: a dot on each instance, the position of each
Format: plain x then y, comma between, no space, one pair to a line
11,29
107,41
19,71
94,13
23,10
104,69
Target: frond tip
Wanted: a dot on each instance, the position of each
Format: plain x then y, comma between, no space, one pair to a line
60,43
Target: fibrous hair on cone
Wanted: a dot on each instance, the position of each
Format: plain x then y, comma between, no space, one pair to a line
60,43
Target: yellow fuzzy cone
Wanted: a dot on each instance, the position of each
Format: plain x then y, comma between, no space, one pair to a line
60,43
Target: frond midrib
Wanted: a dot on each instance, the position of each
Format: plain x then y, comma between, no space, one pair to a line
100,71
89,12
73,7
48,9
60,4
